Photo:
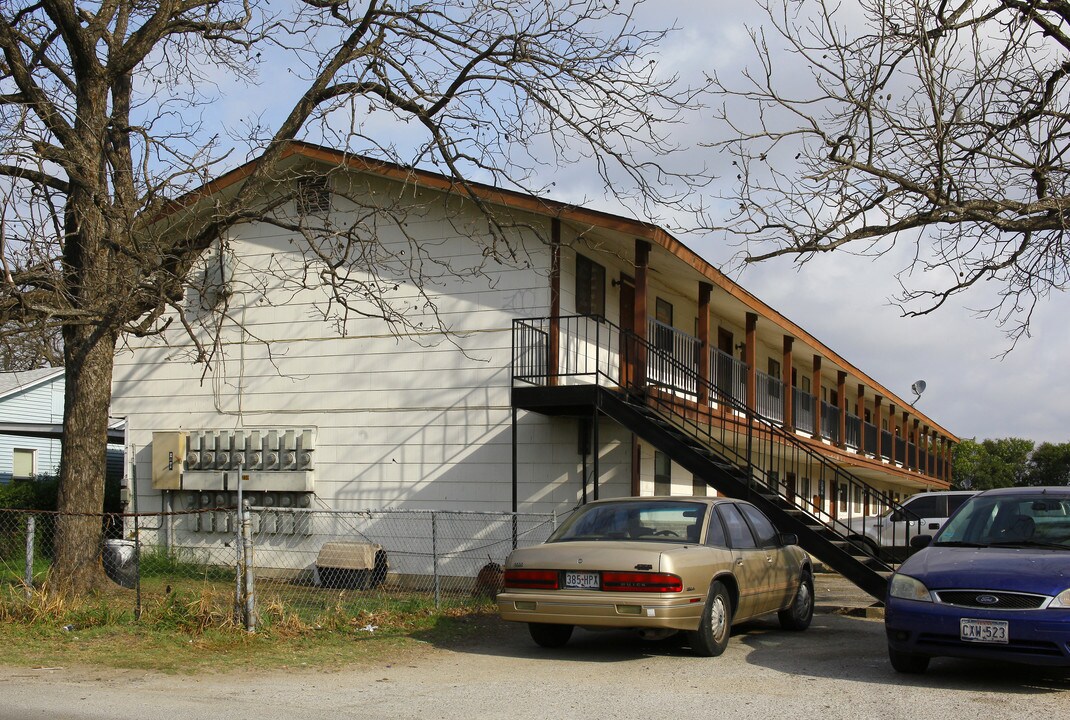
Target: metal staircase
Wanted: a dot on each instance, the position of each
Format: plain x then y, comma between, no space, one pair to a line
709,433
699,455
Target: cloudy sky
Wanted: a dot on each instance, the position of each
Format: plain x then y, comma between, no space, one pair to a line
842,299
974,388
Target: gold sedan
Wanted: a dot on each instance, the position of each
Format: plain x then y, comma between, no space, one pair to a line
659,565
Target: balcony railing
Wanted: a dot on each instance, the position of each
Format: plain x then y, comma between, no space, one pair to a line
854,431
870,438
830,422
887,439
589,348
770,397
803,405
675,364
729,375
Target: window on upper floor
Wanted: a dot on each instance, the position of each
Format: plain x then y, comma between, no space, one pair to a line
23,463
590,287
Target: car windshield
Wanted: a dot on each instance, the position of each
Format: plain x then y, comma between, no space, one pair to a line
1026,520
643,521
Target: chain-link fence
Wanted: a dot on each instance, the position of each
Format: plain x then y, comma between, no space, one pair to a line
294,563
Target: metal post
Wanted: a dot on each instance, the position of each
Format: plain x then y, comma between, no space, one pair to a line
750,448
168,523
250,581
596,445
137,535
434,558
31,523
239,550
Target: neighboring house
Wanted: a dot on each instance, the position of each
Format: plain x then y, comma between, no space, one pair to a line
31,426
518,408
31,403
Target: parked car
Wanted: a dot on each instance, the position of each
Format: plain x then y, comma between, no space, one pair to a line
660,566
994,583
889,535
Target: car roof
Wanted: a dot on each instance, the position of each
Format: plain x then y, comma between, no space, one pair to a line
1062,490
946,492
666,498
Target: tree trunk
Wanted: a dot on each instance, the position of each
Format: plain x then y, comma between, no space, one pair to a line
88,354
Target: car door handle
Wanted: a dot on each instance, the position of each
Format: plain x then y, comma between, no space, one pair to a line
769,559
739,561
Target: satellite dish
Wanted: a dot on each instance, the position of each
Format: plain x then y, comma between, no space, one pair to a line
917,388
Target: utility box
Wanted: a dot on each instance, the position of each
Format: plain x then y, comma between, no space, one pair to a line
168,454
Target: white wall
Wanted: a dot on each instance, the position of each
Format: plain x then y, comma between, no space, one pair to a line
404,418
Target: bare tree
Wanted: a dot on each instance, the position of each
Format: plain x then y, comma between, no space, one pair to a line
938,123
106,118
30,347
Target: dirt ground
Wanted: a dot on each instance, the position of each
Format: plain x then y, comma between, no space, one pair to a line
836,669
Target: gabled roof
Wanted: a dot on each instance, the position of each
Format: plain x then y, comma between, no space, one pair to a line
13,382
551,208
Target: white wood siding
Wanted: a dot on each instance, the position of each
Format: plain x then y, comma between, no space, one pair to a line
404,419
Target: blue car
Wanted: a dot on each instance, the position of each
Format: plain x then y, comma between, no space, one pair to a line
994,583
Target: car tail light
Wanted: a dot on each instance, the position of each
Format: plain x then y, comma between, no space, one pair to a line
532,579
641,582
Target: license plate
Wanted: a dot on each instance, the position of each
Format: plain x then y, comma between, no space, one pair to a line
983,631
582,580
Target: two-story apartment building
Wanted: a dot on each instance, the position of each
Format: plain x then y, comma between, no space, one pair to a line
592,363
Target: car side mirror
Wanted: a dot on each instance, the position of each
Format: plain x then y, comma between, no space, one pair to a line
789,539
920,541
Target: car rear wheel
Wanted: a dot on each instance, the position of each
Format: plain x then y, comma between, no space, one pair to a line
798,615
715,628
549,635
906,662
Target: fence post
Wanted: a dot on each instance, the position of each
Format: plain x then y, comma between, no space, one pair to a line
137,568
31,523
239,574
434,557
247,549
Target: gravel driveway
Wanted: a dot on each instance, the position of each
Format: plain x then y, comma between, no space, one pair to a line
837,669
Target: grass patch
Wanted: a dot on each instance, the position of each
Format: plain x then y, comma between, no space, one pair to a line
137,646
189,626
